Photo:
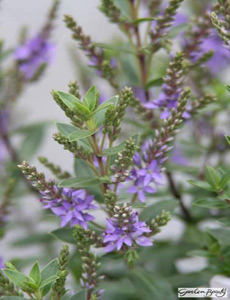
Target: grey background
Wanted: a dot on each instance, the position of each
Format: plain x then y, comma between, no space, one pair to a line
36,104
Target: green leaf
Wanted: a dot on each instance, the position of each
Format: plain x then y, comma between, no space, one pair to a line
212,177
151,287
99,115
66,129
114,48
69,100
35,273
224,221
114,150
201,184
73,103
227,139
221,235
48,271
141,20
79,183
81,295
48,281
81,169
153,210
211,203
154,82
30,286
64,234
224,179
79,134
227,87
198,252
91,98
33,138
16,277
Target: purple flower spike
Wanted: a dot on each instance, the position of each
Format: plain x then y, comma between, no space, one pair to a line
125,230
33,54
71,207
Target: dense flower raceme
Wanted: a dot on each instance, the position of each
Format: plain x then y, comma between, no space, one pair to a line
146,176
124,228
33,54
70,206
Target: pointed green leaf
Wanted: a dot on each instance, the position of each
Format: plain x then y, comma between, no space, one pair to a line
48,271
16,277
30,286
99,115
35,273
221,235
154,82
141,20
66,129
81,295
91,98
211,203
155,209
48,281
227,139
201,184
224,179
79,183
198,252
69,100
79,134
224,221
64,234
116,149
73,103
212,177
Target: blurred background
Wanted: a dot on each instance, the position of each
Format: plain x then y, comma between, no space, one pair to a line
37,105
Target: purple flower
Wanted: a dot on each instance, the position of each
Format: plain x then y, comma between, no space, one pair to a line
124,229
179,158
221,56
150,173
70,206
33,54
145,174
2,265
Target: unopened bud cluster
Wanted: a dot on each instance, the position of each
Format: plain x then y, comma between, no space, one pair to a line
68,112
73,147
164,22
167,133
84,239
124,160
159,221
59,285
114,115
222,23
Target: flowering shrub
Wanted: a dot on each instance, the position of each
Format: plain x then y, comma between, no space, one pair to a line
152,156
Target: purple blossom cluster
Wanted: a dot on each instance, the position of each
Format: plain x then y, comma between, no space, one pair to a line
146,174
125,229
33,54
70,206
